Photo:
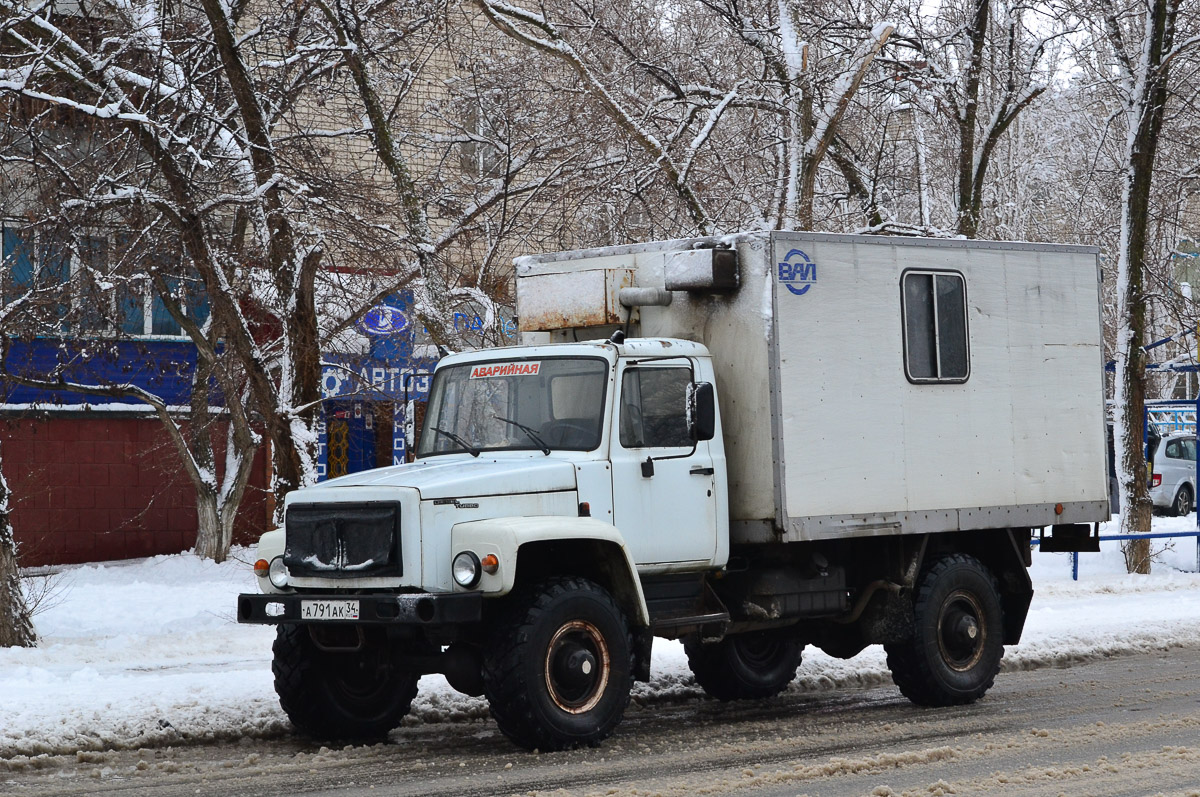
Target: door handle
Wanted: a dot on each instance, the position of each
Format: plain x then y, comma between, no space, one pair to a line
701,471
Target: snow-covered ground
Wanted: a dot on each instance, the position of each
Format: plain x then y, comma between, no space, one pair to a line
149,653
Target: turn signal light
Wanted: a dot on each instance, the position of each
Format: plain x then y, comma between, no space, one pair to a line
261,568
490,564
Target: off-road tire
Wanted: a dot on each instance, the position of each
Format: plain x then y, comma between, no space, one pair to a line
340,695
954,654
749,666
1182,505
558,669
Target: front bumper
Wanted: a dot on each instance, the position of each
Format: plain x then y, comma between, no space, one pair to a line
424,608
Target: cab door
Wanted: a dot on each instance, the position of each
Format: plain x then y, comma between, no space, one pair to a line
664,493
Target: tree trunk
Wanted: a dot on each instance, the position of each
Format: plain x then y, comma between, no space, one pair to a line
968,211
16,626
217,503
1144,117
210,536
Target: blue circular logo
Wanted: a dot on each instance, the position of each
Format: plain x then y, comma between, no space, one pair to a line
382,319
798,272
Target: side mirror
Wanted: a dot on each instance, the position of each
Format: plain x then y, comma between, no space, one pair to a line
701,411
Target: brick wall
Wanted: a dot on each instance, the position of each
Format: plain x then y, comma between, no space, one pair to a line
93,488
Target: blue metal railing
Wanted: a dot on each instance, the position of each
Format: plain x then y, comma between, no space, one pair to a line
1147,536
1171,419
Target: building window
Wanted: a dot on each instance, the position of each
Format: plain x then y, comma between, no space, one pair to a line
479,154
934,305
36,263
100,302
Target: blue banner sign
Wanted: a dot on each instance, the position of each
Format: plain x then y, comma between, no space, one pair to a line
162,367
344,376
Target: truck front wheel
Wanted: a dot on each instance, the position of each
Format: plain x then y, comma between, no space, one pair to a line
745,666
954,653
330,694
558,671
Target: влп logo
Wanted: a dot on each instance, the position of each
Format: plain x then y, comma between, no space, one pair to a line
797,272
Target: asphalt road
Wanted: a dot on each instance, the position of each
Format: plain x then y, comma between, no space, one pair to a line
1122,726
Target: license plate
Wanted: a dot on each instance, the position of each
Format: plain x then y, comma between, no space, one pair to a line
328,610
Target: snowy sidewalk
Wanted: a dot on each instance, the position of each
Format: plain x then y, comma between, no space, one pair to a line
150,654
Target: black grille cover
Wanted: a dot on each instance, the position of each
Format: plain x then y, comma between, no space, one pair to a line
343,540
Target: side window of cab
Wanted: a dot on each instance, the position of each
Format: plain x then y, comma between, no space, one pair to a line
653,407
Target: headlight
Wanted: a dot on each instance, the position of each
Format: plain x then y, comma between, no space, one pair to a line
277,573
466,569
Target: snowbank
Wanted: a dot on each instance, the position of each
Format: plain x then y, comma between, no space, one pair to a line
149,653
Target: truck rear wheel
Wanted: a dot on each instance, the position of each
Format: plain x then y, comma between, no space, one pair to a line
558,671
954,653
340,695
745,666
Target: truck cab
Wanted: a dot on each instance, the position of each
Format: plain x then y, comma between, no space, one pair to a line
613,417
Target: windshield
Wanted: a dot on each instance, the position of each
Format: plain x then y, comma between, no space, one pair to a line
508,405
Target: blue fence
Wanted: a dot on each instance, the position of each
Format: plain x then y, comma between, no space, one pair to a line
1173,417
1149,536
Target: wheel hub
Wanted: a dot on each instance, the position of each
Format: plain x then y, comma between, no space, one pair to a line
967,629
577,667
960,631
574,667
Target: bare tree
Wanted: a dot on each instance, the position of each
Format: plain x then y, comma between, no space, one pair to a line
16,620
391,57
538,32
210,131
164,90
978,67
733,106
1141,48
157,101
16,625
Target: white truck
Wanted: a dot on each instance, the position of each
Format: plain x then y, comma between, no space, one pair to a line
751,444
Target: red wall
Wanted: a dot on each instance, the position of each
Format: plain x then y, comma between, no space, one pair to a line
93,488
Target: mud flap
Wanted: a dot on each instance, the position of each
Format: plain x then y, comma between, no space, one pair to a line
1071,538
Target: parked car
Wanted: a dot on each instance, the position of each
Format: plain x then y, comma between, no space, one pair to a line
1173,477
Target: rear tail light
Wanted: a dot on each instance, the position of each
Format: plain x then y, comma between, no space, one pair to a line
1156,480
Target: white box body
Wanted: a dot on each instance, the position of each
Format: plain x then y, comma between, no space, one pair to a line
825,434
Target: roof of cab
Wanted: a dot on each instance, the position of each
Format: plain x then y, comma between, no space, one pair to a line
632,347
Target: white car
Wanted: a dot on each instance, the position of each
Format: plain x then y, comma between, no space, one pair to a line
1173,477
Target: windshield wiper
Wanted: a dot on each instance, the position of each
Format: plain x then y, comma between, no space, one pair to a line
466,446
532,434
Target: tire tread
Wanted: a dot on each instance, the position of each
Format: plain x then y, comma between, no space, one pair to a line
907,660
299,685
510,698
719,674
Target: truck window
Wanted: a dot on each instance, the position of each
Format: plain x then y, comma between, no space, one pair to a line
516,405
934,306
653,408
